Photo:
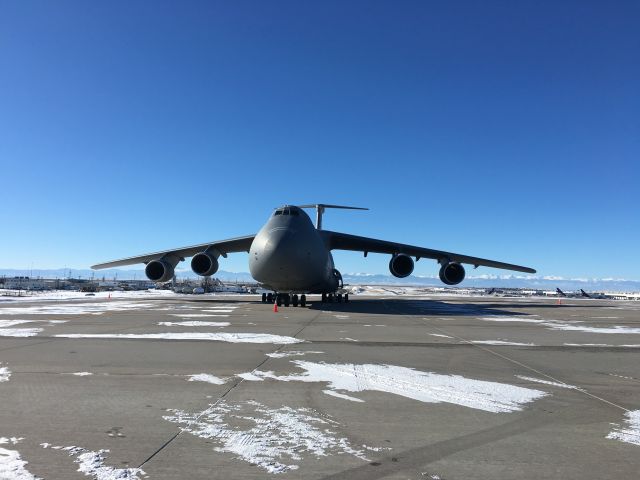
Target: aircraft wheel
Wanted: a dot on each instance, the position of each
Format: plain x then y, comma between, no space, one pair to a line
269,298
264,298
287,300
323,298
279,300
303,300
330,298
294,300
346,298
339,298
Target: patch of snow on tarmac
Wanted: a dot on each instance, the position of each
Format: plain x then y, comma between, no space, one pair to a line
439,335
5,373
12,323
566,326
422,386
12,467
342,395
19,332
96,308
196,315
271,438
216,337
630,433
547,382
92,464
502,342
250,377
206,377
81,374
194,323
291,353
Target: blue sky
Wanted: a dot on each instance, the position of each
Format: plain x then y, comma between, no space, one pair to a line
508,130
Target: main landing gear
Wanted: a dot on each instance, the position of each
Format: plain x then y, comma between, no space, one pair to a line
337,298
285,299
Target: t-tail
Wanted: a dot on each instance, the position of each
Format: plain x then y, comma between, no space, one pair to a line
320,207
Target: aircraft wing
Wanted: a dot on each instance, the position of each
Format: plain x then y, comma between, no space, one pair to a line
239,244
343,241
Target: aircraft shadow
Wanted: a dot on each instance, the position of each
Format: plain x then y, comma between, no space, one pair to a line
436,308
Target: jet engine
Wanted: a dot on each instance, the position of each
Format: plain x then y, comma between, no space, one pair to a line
162,269
205,263
451,273
401,265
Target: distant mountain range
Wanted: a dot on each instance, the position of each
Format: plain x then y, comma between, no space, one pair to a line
489,281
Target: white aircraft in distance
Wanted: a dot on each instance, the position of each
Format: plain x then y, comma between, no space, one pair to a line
291,256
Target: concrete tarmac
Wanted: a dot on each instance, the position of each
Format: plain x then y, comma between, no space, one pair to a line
381,387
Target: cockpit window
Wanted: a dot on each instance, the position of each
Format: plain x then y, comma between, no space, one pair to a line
278,212
295,212
286,212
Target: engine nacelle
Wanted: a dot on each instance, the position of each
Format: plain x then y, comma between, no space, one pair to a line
205,263
401,265
451,273
161,270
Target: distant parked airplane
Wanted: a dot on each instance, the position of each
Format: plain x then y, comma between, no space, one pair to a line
560,292
290,256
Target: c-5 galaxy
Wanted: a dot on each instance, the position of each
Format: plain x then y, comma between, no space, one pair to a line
291,257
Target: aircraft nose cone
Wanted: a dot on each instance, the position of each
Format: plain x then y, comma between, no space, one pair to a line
282,258
280,243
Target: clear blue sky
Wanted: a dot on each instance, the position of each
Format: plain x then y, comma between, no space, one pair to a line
502,129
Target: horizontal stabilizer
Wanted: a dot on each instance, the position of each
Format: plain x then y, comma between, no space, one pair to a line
320,210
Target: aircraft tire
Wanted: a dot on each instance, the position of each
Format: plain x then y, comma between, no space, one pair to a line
264,298
323,298
294,300
303,300
269,298
279,300
346,298
339,298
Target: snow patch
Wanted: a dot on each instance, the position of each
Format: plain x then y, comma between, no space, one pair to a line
630,433
566,326
12,467
342,395
502,342
11,323
5,373
439,335
547,382
205,377
92,464
195,315
291,353
249,377
81,374
217,337
271,438
422,386
19,332
194,323
95,308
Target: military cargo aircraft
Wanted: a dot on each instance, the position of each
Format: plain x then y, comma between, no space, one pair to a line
291,256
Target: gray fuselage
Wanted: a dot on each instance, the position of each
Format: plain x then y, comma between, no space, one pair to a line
289,255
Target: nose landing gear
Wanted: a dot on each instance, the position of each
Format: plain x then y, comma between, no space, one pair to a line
285,299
